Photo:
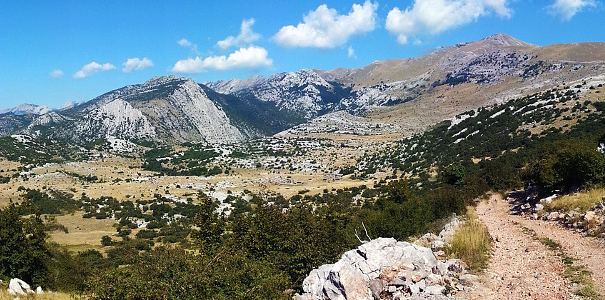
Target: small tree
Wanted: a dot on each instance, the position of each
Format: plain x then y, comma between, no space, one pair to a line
106,241
454,175
210,226
23,250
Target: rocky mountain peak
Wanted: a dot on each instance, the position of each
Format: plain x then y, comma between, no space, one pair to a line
158,80
504,40
26,108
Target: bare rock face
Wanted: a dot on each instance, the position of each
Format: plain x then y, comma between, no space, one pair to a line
304,92
385,269
116,118
167,108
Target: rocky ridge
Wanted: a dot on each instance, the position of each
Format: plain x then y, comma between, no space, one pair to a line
168,108
436,86
25,109
304,92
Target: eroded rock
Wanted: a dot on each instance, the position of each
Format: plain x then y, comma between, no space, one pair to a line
384,269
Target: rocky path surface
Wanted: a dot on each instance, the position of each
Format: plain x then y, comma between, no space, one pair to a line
589,251
520,266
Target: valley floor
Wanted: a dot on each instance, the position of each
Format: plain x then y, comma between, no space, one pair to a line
534,259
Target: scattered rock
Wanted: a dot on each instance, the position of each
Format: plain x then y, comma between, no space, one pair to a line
553,216
527,203
435,290
437,245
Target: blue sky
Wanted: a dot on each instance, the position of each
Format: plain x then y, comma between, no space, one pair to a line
54,52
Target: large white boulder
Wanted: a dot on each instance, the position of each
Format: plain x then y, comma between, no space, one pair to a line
350,277
18,287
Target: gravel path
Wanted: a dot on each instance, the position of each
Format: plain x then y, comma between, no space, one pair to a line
589,251
520,267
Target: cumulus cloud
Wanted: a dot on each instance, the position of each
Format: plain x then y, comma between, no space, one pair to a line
324,28
184,43
245,37
351,52
244,58
56,73
93,68
135,64
435,16
566,9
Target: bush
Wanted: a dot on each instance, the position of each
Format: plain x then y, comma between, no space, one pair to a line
568,165
454,175
106,241
173,273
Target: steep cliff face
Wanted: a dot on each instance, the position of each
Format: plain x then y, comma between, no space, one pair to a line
187,114
117,118
167,108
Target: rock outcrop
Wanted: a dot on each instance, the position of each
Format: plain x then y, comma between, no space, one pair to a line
386,269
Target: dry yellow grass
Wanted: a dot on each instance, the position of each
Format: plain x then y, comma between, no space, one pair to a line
471,242
582,201
119,179
83,234
46,296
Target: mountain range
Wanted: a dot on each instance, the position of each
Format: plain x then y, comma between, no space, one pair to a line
412,93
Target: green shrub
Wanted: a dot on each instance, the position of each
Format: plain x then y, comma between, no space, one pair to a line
23,250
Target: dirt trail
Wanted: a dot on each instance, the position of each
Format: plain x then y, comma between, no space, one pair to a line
520,266
589,251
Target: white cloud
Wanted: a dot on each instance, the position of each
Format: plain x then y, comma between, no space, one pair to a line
246,36
351,52
92,68
56,73
324,28
435,16
244,58
135,64
500,7
566,9
184,43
